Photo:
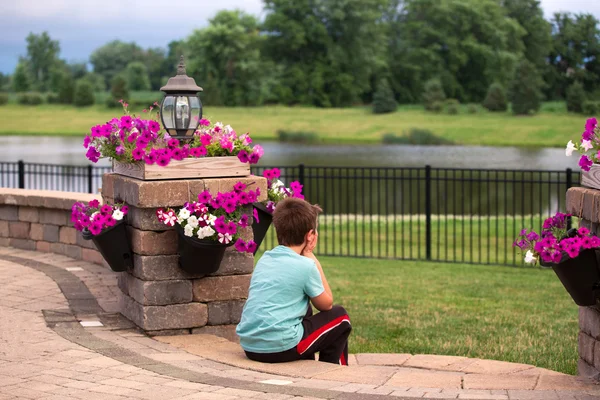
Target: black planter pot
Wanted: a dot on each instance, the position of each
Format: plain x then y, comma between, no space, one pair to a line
198,256
260,230
113,244
580,277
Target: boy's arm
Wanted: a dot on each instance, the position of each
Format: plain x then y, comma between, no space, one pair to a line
324,301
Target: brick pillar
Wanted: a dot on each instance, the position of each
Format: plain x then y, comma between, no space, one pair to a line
585,204
157,295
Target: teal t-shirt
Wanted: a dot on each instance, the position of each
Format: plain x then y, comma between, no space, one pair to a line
280,290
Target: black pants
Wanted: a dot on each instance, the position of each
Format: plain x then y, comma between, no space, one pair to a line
326,332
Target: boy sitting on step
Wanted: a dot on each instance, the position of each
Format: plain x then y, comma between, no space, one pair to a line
277,323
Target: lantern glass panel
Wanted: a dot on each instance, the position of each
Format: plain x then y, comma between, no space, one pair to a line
168,112
195,112
182,112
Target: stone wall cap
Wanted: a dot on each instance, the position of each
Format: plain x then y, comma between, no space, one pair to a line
43,198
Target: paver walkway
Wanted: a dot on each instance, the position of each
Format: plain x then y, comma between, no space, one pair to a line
62,338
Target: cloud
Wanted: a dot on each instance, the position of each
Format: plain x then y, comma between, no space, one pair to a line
574,6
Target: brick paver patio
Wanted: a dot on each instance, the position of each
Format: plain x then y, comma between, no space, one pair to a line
61,337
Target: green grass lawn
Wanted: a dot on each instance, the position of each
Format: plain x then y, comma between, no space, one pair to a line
552,127
501,313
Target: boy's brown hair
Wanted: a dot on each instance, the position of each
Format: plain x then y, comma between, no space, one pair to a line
293,219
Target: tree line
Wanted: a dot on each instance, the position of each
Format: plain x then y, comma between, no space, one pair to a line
338,53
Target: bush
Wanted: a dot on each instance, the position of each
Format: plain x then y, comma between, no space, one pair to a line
452,106
84,93
416,136
30,99
137,76
433,95
526,89
383,99
297,136
495,100
52,98
591,108
576,97
66,89
118,91
473,109
3,98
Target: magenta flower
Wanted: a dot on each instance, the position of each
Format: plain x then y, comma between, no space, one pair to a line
92,154
78,226
585,163
173,143
243,156
240,186
163,160
227,144
276,172
153,126
251,245
583,231
205,197
205,139
198,151
252,196
296,188
220,225
591,124
138,154
258,150
204,122
255,215
240,246
229,205
125,122
178,154
533,236
231,228
95,229
243,198
243,222
93,204
86,141
106,209
120,150
125,209
150,158
110,221
253,158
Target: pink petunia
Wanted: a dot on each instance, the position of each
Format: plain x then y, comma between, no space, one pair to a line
243,156
205,139
138,154
94,204
255,215
251,246
243,222
240,246
240,186
205,197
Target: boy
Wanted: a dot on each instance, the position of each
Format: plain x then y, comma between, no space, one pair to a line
277,324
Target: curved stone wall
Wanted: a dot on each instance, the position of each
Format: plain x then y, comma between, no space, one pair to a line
41,220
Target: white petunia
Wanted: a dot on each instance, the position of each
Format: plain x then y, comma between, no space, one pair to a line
193,221
530,258
184,213
225,238
211,219
570,148
587,145
277,184
118,215
188,231
205,231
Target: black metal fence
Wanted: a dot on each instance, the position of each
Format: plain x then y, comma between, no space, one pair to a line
437,214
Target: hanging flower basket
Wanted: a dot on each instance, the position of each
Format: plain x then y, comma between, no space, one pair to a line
199,256
113,244
262,221
580,277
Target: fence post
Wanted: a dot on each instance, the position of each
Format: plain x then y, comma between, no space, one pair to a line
301,174
569,185
90,176
428,212
21,174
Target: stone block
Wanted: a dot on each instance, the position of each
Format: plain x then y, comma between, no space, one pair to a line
3,228
589,321
586,370
225,312
123,282
81,242
50,233
9,213
596,362
36,231
235,263
108,185
159,293
158,318
19,230
586,347
574,201
150,243
42,246
54,217
145,219
160,268
67,235
224,331
220,288
4,242
590,197
29,214
169,332
92,256
24,244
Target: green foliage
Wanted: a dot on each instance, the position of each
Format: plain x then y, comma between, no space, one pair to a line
30,98
287,136
96,80
42,54
526,89
53,98
495,100
136,74
433,95
112,58
383,100
21,80
3,99
591,108
66,89
84,93
473,108
118,91
416,136
452,106
4,82
576,96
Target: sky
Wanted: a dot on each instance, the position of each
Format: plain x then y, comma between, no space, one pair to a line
84,25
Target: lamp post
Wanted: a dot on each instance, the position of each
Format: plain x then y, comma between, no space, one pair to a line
181,108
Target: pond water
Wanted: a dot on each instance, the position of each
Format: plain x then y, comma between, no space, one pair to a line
69,150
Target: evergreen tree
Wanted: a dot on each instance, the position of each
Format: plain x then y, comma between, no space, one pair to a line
383,100
495,100
66,89
137,76
118,91
576,97
526,89
84,93
433,95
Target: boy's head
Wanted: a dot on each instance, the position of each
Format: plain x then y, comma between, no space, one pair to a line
294,219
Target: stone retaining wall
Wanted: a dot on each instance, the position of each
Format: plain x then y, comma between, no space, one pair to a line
584,203
160,297
41,220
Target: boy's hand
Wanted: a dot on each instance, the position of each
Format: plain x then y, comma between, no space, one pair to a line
310,246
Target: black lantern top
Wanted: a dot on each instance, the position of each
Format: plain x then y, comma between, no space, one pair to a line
181,108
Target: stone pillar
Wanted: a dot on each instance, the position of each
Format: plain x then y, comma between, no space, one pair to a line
157,295
584,203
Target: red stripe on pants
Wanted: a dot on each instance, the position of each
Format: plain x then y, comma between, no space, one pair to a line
306,343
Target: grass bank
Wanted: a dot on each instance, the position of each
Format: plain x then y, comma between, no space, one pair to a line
500,313
552,127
